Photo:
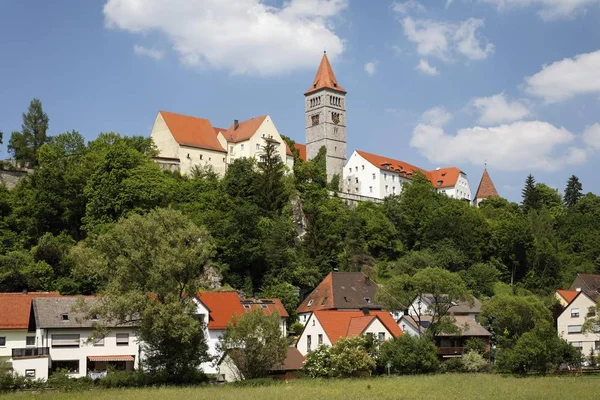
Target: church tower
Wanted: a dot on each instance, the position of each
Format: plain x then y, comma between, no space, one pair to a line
325,119
486,188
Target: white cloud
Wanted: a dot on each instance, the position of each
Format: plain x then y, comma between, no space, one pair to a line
548,9
497,109
145,51
371,68
426,68
404,7
449,3
446,40
567,78
591,136
519,146
437,116
241,36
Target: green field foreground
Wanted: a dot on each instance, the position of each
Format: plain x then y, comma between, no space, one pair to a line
450,386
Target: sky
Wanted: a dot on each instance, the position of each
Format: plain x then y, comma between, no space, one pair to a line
435,83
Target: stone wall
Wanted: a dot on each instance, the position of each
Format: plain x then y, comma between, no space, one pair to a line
11,178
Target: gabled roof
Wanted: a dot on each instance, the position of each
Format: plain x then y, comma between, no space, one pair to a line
486,187
244,130
590,284
342,323
301,150
440,178
192,131
341,290
468,327
223,306
49,311
294,361
15,308
268,306
325,78
568,295
460,307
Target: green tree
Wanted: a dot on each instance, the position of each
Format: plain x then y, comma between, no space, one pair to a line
548,197
255,344
287,293
573,192
408,355
531,199
349,357
149,265
272,190
24,145
481,278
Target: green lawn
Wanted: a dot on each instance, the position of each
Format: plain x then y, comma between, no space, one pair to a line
444,387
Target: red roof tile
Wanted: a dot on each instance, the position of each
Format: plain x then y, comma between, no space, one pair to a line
486,187
16,307
269,306
301,150
341,324
192,131
325,78
222,306
444,177
568,295
245,129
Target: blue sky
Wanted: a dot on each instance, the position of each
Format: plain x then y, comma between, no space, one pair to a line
433,83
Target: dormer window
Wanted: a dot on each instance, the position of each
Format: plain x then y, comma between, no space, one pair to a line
368,300
247,306
64,317
324,300
439,183
263,306
309,303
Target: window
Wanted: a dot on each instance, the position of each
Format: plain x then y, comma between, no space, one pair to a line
30,341
597,345
393,189
313,322
591,312
64,317
308,342
71,366
242,147
122,339
99,342
356,179
574,312
373,176
381,336
577,345
320,339
65,340
368,300
362,167
2,341
350,169
309,303
201,156
370,189
393,178
257,146
324,300
574,329
263,306
247,306
231,149
386,188
356,168
30,373
385,177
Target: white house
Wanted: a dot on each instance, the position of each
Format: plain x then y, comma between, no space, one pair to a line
63,341
185,142
325,328
217,309
371,175
570,324
421,305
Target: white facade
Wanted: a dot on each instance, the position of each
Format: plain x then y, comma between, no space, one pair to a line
36,368
14,339
461,190
570,324
407,327
312,336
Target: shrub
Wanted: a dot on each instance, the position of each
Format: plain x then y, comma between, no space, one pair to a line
260,382
60,380
350,357
408,355
296,328
474,362
318,363
476,345
454,364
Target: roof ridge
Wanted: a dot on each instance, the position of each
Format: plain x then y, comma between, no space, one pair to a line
325,78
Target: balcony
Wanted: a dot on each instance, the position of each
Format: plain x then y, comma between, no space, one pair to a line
27,352
450,351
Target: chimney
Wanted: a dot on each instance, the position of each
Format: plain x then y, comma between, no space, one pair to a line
365,311
236,124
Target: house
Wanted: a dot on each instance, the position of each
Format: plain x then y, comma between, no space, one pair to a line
294,361
486,189
570,323
340,291
421,305
326,327
371,175
16,338
588,283
564,297
185,142
63,340
217,309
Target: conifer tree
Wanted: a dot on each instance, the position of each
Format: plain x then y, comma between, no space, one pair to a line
272,190
24,145
531,198
573,191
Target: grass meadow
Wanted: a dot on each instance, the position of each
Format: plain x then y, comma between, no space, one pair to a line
449,386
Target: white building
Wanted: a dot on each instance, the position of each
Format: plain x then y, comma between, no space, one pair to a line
185,142
570,324
371,175
62,340
217,309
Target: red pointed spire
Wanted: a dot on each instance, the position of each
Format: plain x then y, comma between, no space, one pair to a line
325,78
486,187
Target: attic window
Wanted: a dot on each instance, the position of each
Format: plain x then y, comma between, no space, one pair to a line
246,305
309,303
324,300
368,300
94,317
315,86
346,299
334,84
263,305
440,183
64,317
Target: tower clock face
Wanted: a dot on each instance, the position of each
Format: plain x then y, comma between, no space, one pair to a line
315,119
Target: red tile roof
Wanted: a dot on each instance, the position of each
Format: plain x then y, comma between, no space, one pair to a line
325,78
16,307
192,131
568,295
486,187
267,305
301,150
245,129
341,323
447,176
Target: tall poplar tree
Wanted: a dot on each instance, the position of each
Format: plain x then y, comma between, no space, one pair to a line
573,191
24,145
